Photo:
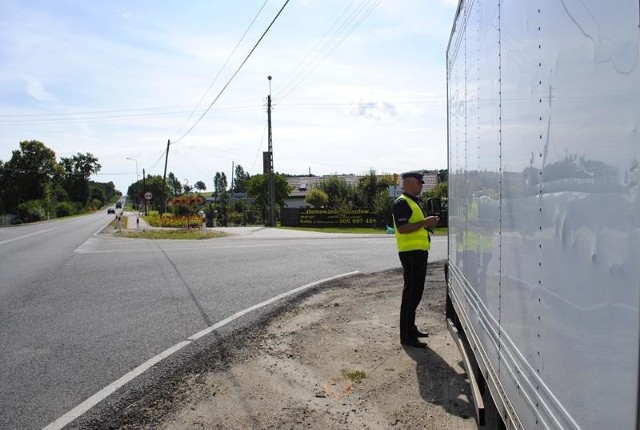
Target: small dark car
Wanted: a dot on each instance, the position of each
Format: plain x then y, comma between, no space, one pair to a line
111,211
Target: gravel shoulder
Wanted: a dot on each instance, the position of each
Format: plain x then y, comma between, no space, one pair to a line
329,361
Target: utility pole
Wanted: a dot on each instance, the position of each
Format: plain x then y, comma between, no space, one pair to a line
137,196
233,166
272,189
144,190
164,179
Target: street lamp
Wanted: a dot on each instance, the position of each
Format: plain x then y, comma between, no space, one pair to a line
137,185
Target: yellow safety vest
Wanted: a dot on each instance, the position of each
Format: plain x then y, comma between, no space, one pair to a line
417,240
476,238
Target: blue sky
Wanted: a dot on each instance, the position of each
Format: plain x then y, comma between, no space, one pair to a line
357,84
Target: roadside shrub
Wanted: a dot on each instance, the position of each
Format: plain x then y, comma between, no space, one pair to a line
32,211
96,204
153,219
169,220
236,218
64,209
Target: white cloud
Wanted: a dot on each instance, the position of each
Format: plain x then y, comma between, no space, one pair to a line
35,88
378,110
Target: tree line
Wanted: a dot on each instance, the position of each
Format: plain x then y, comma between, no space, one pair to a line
245,200
371,192
34,185
240,203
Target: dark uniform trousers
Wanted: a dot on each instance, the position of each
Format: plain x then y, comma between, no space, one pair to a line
414,265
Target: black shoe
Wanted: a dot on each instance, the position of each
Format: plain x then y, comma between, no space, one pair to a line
413,342
419,333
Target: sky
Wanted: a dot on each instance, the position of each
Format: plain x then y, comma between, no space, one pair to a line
357,85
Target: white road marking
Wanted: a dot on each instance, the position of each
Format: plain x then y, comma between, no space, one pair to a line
83,407
26,235
237,315
89,403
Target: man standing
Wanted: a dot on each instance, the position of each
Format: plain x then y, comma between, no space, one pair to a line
410,226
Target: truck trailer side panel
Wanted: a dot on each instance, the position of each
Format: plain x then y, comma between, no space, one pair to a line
544,206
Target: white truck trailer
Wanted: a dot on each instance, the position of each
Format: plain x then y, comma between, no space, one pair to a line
544,208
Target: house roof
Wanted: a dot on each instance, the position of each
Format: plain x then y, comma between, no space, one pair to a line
302,184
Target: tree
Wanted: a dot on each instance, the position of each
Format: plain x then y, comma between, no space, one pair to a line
219,183
340,193
200,186
27,175
240,180
370,187
440,191
106,189
258,189
152,184
222,197
316,198
77,171
174,185
373,193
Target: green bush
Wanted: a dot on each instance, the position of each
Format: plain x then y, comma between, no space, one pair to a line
32,211
64,209
169,220
236,218
96,204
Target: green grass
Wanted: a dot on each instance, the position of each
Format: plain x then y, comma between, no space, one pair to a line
354,230
164,233
439,231
354,375
192,234
196,234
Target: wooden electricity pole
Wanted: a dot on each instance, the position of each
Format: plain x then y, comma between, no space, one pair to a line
272,188
164,180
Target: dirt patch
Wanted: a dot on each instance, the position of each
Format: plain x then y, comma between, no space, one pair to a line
333,361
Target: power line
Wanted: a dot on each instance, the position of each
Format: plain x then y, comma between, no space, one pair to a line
225,64
234,74
19,115
290,76
14,120
339,36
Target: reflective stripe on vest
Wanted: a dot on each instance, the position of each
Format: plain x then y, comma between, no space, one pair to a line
417,240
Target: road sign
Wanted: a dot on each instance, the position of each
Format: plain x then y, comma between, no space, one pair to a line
147,195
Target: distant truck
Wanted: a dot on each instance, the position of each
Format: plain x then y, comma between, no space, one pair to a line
543,288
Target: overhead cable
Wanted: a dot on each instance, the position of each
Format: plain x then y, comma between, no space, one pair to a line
234,74
362,11
224,65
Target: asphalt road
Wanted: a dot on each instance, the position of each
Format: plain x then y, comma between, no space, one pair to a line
78,310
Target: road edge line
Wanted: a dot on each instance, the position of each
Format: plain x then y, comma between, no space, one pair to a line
92,401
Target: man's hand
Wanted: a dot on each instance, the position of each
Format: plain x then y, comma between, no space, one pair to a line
431,221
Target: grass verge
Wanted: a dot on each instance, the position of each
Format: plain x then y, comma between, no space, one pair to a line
163,233
438,231
194,234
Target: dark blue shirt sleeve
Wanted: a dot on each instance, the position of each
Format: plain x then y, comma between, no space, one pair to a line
401,212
